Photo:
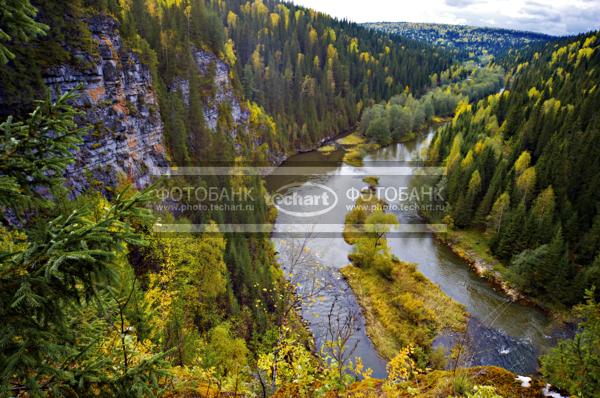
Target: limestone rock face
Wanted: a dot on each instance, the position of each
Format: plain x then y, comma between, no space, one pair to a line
126,137
209,64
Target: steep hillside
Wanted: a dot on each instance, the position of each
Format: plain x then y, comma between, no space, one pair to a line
126,139
523,165
466,41
96,299
314,73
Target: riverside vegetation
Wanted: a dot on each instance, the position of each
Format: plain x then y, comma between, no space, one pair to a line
402,307
95,302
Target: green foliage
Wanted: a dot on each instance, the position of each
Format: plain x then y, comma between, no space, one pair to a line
532,147
573,364
404,114
466,41
484,392
65,36
37,151
379,131
402,307
226,354
17,21
462,384
66,294
311,72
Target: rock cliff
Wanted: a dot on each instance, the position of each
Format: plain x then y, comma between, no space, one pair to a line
126,137
208,63
126,141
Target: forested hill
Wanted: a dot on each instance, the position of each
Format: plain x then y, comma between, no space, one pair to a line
525,166
310,72
93,300
467,41
313,73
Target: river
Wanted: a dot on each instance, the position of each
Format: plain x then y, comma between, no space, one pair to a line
500,332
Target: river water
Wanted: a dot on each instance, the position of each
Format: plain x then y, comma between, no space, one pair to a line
500,332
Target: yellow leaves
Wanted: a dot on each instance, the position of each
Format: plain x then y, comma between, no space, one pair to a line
455,154
229,51
285,12
551,105
312,36
257,59
584,53
462,107
274,20
389,81
331,35
298,15
192,272
482,113
589,41
556,55
544,204
12,240
317,62
402,367
360,370
259,9
475,182
498,211
387,50
522,162
467,161
232,19
365,57
526,182
533,93
331,54
492,125
293,362
262,126
353,47
521,66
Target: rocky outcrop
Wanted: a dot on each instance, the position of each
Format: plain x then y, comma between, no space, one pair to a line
211,66
126,136
224,90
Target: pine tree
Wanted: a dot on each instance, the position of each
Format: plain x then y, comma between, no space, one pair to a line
66,267
17,18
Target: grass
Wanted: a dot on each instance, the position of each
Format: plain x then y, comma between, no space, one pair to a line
476,242
365,205
402,307
354,154
327,149
354,157
352,139
441,119
406,309
441,383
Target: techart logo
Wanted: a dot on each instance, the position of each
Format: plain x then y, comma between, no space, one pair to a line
304,200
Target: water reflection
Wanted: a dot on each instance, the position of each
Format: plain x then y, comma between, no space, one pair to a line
500,332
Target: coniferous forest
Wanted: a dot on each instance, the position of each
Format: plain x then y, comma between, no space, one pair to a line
522,166
98,97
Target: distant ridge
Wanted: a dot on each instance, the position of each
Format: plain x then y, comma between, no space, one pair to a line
465,40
